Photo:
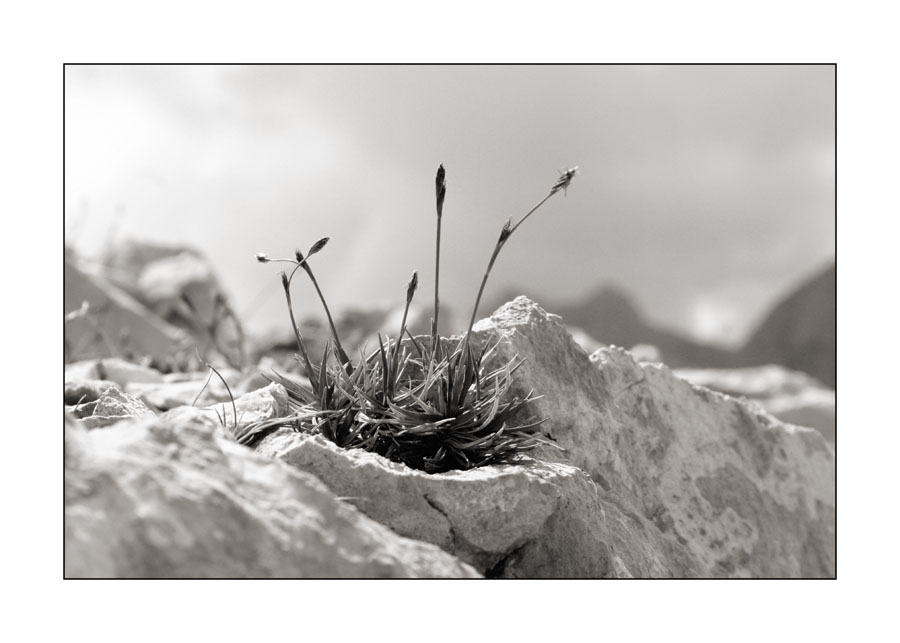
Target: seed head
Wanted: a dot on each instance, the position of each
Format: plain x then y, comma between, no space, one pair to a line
440,188
564,180
284,280
412,286
318,245
262,257
506,231
299,255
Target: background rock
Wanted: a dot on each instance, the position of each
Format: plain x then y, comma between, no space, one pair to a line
179,285
114,369
78,391
114,324
114,406
800,331
608,316
159,499
255,406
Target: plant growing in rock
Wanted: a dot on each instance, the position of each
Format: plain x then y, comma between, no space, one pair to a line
433,407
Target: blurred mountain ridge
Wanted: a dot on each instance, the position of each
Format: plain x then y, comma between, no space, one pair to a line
798,331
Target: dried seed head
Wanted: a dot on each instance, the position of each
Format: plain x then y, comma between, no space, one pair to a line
284,280
440,184
318,245
299,255
564,180
262,257
412,286
440,188
506,231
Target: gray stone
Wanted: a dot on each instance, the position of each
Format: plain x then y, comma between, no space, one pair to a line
170,395
534,519
256,406
113,369
79,391
791,396
728,485
114,323
161,499
114,406
180,285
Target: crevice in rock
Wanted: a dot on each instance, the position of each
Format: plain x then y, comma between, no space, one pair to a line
454,538
459,545
499,568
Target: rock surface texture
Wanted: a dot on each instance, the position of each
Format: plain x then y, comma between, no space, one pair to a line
114,406
650,476
732,490
791,396
530,520
180,286
114,323
163,499
654,478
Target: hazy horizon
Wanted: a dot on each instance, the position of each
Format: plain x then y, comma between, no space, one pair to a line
704,192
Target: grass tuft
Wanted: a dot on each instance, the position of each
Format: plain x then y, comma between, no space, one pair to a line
432,408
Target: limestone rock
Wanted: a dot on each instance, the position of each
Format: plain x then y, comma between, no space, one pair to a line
791,396
255,406
114,369
113,323
169,395
78,391
161,499
179,285
114,406
726,484
534,519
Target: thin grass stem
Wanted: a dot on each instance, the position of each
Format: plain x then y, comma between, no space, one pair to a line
345,361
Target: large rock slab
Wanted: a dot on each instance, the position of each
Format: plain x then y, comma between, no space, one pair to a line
530,520
726,484
162,499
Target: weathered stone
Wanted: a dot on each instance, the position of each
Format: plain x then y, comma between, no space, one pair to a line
255,406
791,396
113,369
686,482
534,519
114,323
180,285
114,406
813,408
726,484
169,395
163,499
78,391
262,404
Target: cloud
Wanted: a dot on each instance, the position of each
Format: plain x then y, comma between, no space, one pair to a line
695,182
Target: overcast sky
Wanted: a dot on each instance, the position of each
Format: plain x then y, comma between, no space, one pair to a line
704,191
